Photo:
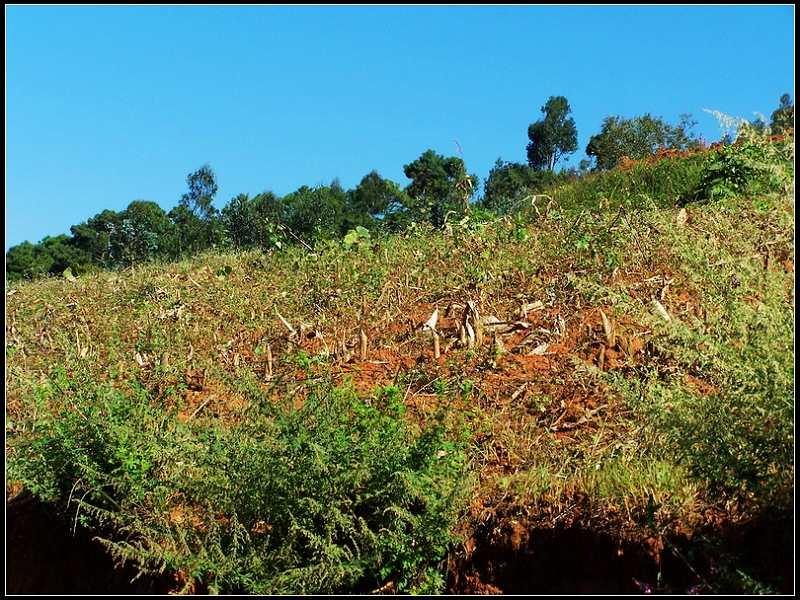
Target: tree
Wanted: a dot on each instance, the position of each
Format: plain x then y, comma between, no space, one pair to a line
508,183
373,200
251,222
238,218
439,186
270,217
57,253
26,261
316,213
202,189
191,232
638,138
196,219
783,116
552,137
99,237
145,232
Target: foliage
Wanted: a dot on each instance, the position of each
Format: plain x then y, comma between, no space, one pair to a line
439,194
195,216
668,182
336,496
202,189
99,238
50,256
254,222
316,213
783,116
27,261
638,138
439,186
552,137
358,237
376,198
145,232
736,431
753,164
508,183
696,421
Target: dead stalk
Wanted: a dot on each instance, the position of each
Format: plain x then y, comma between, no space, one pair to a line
363,339
269,361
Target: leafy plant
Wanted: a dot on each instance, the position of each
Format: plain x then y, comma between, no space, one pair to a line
336,496
358,237
754,164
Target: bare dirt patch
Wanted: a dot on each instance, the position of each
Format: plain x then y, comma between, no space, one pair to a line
46,557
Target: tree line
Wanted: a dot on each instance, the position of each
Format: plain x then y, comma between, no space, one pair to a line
440,190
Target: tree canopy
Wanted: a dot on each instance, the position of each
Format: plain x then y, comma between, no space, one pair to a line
508,183
439,186
637,138
783,116
552,137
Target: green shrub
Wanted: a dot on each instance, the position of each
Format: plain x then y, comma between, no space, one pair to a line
338,495
754,164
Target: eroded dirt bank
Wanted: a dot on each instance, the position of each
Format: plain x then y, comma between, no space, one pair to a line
502,556
511,557
44,557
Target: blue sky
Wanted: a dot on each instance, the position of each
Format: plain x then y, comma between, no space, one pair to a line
105,105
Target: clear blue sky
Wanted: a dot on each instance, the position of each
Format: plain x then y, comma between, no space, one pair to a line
105,105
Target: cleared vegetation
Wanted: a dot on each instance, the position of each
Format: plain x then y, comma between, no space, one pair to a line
616,355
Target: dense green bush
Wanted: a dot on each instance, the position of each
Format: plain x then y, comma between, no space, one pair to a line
754,164
339,495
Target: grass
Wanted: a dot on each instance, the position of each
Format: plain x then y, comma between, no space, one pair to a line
145,401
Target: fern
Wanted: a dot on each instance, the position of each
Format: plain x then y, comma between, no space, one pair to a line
336,496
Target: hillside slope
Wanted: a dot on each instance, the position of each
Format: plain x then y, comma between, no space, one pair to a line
610,381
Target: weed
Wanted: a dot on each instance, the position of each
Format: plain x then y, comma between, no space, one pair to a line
334,496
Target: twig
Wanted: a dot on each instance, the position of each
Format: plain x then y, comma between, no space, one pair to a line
201,407
269,360
295,236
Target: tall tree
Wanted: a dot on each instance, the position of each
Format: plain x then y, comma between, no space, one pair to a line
239,220
99,237
202,189
254,221
27,261
58,252
316,213
196,219
783,116
145,232
552,137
